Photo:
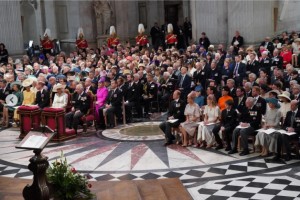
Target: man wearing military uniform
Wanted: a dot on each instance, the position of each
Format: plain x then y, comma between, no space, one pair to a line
112,106
171,38
142,39
150,93
250,121
113,40
176,111
167,88
81,43
81,104
47,43
133,97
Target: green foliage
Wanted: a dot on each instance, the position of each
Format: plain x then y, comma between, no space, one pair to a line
67,183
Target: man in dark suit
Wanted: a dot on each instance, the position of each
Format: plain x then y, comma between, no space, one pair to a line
81,104
176,111
156,36
199,76
184,83
277,60
239,71
88,86
204,41
259,102
265,62
227,125
237,42
291,124
231,85
113,105
240,100
252,65
42,96
250,121
4,91
268,44
133,97
150,93
214,73
167,88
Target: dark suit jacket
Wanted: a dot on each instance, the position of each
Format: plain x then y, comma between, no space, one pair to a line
42,99
4,93
229,119
252,116
186,84
204,42
215,74
240,39
114,98
82,103
270,46
261,104
277,61
241,70
200,77
240,106
253,67
167,87
134,93
296,124
177,110
266,63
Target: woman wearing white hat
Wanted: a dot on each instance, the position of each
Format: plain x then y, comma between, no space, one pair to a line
285,103
296,52
28,97
60,97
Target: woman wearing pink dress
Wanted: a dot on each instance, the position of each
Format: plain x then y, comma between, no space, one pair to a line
102,93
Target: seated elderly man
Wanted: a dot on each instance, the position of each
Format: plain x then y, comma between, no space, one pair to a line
167,88
81,104
250,121
291,124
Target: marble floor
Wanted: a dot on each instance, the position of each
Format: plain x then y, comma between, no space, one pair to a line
207,174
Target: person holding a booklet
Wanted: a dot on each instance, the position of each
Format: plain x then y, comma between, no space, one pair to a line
291,131
272,118
250,121
176,116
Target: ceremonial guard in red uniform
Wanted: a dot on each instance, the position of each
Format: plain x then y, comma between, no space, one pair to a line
171,38
142,39
113,40
81,43
46,42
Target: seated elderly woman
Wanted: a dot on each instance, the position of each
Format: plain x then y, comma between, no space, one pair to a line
192,115
272,119
16,91
60,97
211,118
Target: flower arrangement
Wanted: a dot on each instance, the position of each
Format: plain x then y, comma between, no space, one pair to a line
66,183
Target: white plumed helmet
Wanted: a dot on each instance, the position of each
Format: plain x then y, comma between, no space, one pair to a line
80,31
141,28
112,30
47,32
170,28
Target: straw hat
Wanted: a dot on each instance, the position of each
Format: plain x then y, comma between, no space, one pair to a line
27,82
286,95
58,86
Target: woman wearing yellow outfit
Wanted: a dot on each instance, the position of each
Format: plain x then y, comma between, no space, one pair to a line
28,96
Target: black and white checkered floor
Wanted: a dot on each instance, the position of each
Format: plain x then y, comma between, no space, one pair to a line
217,176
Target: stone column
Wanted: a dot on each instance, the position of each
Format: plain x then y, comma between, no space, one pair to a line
50,18
11,27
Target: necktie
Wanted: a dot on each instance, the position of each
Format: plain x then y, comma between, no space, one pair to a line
292,119
236,69
181,81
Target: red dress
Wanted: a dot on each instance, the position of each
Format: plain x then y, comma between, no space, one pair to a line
287,57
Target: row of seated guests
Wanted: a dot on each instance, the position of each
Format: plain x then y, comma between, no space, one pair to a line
240,117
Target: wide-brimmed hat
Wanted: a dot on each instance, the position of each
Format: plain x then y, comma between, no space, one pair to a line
58,86
15,83
297,40
286,95
27,82
273,101
29,67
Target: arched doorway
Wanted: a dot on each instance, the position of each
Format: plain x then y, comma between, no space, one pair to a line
28,19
